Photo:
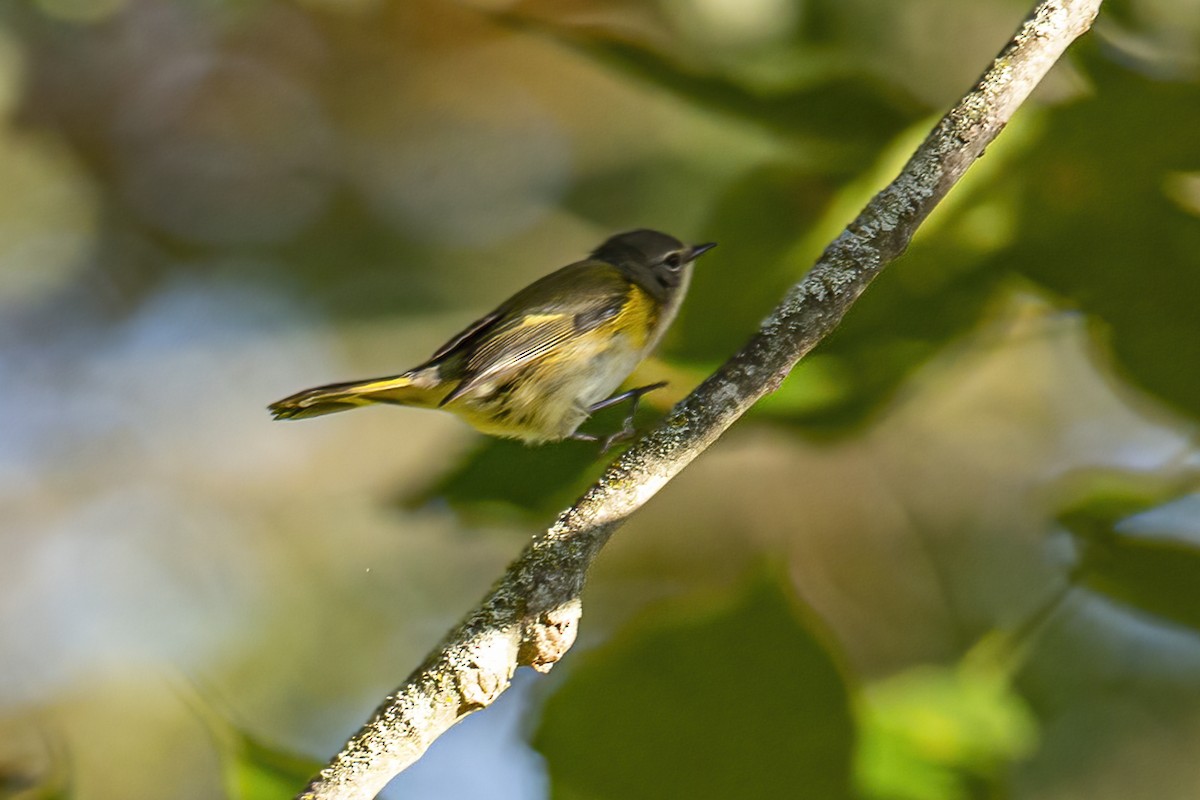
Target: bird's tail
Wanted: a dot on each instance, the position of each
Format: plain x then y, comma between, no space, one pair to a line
409,389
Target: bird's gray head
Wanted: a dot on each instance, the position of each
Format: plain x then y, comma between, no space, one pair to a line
659,263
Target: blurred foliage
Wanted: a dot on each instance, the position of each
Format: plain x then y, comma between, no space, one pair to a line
1154,573
256,771
845,117
504,479
366,162
1091,503
251,768
736,287
943,733
741,723
740,700
1112,240
1156,577
16,783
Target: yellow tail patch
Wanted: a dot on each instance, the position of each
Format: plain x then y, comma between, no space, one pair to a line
409,389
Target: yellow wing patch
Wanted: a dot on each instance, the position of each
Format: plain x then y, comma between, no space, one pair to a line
530,320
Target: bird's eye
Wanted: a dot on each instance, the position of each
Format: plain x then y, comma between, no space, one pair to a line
673,261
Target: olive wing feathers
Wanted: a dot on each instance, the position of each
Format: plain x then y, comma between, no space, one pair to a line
542,316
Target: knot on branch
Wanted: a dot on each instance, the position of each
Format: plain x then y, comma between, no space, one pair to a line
548,636
481,669
478,687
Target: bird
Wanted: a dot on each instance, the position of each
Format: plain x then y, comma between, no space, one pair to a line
538,365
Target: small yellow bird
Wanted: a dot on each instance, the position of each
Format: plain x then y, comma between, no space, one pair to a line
549,356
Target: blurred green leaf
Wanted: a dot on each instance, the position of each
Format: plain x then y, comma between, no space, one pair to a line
358,268
1093,501
758,221
1158,576
1112,239
627,194
815,385
894,328
933,733
937,291
251,769
740,701
1153,573
256,771
504,480
850,115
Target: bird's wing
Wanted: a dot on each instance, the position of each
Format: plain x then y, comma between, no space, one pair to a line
572,301
463,338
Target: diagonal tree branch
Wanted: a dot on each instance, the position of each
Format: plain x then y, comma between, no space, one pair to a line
529,618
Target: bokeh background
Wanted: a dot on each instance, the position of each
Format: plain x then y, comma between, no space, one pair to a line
956,556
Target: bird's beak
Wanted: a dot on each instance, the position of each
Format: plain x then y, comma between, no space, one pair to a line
700,249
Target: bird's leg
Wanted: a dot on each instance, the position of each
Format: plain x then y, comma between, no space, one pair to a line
633,396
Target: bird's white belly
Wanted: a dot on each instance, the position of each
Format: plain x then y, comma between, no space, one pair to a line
538,412
609,370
